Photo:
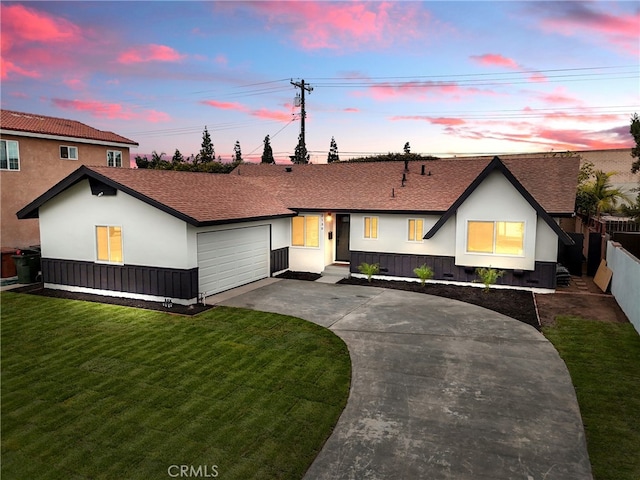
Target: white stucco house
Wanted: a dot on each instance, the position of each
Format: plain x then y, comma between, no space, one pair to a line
154,234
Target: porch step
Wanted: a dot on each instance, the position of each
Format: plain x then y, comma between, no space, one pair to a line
334,273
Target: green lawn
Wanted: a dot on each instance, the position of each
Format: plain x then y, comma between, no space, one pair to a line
604,362
107,392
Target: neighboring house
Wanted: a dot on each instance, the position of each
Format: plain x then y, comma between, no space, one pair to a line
38,151
162,234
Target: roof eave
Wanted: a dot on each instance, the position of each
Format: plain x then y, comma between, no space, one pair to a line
68,138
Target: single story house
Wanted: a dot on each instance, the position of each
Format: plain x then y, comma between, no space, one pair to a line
155,234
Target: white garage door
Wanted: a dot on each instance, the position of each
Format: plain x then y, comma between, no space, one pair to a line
231,258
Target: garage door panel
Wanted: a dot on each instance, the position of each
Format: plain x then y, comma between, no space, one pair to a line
230,258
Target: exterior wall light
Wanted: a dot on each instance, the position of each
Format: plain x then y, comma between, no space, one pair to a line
328,217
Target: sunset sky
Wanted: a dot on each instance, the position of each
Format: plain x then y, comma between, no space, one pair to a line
448,77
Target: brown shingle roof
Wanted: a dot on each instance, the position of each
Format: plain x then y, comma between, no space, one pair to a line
41,124
377,186
204,197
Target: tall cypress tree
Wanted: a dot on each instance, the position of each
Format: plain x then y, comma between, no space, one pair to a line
333,152
300,154
207,153
267,153
237,152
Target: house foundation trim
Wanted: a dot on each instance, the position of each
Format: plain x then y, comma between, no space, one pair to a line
444,268
157,282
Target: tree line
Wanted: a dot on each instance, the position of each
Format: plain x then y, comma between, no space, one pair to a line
206,161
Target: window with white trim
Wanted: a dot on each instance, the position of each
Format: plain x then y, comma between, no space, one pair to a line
9,155
114,158
370,227
68,153
415,230
305,231
109,244
499,238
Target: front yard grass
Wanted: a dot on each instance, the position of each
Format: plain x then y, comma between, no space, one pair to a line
604,362
93,391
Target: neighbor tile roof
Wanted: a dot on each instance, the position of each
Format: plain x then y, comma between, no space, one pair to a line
377,186
41,124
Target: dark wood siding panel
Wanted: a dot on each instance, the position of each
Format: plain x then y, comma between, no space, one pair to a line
279,259
162,282
444,267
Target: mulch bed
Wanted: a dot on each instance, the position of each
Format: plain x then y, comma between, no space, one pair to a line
39,289
517,304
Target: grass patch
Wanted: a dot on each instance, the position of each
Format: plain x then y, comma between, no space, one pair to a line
102,391
604,362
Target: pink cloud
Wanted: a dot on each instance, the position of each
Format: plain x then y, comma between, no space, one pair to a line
23,26
150,53
495,60
22,23
447,121
347,25
272,115
544,137
7,67
110,110
620,31
351,110
559,96
225,105
74,83
423,90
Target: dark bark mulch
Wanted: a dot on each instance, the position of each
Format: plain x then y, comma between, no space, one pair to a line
39,289
517,304
312,277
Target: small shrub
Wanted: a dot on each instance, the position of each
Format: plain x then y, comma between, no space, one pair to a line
424,273
369,269
488,276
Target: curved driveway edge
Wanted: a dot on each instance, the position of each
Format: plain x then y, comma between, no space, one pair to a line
440,389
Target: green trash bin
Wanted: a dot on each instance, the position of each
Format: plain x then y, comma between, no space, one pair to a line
27,266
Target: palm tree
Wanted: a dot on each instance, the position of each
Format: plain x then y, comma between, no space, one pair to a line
603,197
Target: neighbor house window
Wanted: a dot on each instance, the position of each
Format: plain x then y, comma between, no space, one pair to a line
370,227
114,158
502,238
415,229
305,231
9,155
109,244
68,153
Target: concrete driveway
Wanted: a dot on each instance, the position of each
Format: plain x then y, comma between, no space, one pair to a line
440,389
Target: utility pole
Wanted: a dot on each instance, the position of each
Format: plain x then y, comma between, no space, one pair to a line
303,113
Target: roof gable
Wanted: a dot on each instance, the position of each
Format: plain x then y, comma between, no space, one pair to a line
199,199
42,125
496,165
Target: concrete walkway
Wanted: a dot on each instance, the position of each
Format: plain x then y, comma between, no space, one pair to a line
440,389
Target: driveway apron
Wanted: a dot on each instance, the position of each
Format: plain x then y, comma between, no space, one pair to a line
440,389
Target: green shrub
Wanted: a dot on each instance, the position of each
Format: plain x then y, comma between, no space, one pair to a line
424,273
488,276
369,269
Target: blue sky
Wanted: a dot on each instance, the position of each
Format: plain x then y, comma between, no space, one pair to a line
447,77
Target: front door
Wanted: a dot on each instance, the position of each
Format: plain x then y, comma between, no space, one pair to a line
342,237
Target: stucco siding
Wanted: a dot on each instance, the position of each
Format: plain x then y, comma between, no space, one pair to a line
393,235
546,243
40,168
149,236
309,259
496,199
